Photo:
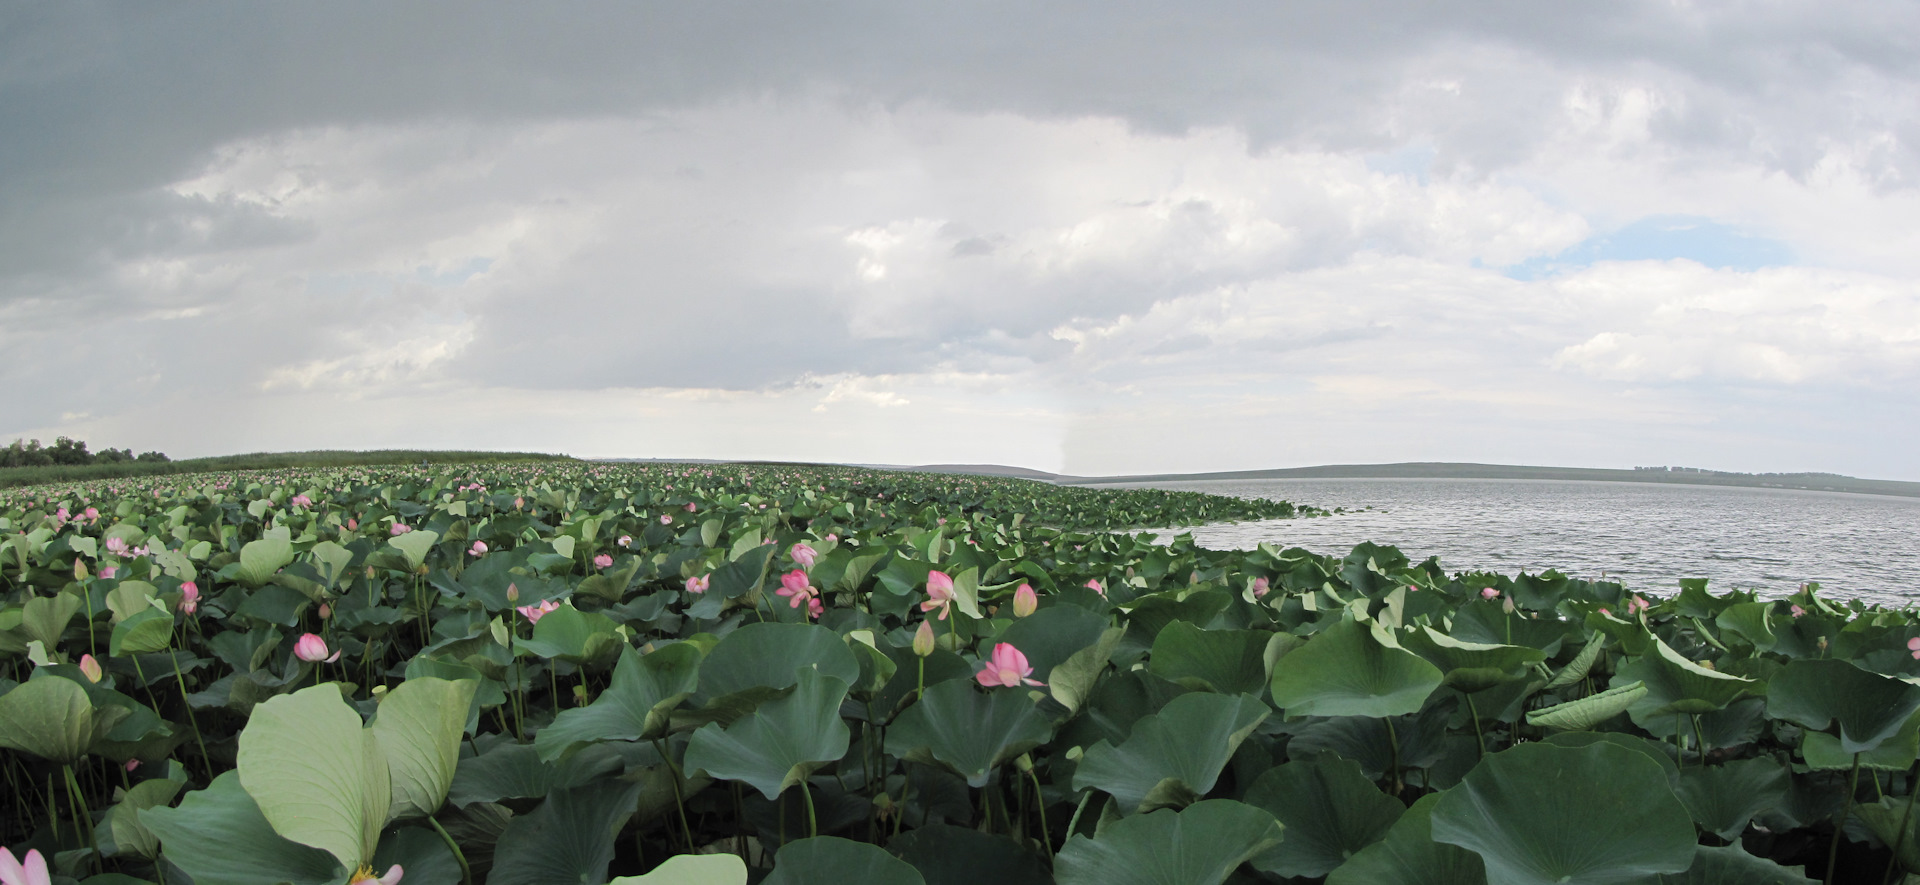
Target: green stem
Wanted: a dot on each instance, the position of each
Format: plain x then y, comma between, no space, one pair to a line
1393,744
1040,801
1901,833
813,822
83,816
1074,822
466,872
679,803
181,679
1700,742
1839,823
1480,740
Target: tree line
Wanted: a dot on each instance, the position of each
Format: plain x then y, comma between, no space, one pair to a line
66,451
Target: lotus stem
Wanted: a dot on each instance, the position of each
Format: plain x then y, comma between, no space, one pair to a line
1894,861
1040,802
180,678
1839,823
679,804
1480,740
466,872
1393,744
1700,744
1074,822
83,816
813,822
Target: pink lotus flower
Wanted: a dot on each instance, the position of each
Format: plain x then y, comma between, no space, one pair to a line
365,874
32,872
312,649
1638,604
690,505
353,525
802,554
923,639
1797,611
107,572
189,597
625,541
1913,645
533,613
479,548
1024,601
326,611
1094,585
117,546
132,765
398,529
666,519
1488,593
90,668
1008,668
300,502
1261,587
602,561
799,589
939,594
699,583
831,537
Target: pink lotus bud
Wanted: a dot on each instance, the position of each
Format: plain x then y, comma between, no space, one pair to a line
513,593
832,537
602,561
326,611
625,541
690,506
398,529
802,554
699,583
91,668
132,765
312,649
1261,587
923,639
479,548
1488,593
108,571
1797,611
1094,585
666,519
1024,601
353,524
189,597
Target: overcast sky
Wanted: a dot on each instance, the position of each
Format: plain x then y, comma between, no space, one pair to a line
1100,238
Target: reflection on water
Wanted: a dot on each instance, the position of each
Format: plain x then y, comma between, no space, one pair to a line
1646,535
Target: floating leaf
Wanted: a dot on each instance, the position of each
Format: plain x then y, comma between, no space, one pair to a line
1226,661
568,840
1869,708
693,869
1730,865
1722,798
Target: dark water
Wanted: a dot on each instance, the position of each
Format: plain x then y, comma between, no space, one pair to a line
1647,536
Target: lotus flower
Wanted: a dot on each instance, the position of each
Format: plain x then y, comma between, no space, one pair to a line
699,583
666,519
1261,587
1094,585
32,872
300,502
1008,668
1638,604
91,668
1024,601
117,546
533,613
803,554
365,874
1913,645
1489,593
1797,611
625,541
353,525
189,598
798,589
479,548
939,594
923,639
398,529
690,505
107,572
602,561
312,649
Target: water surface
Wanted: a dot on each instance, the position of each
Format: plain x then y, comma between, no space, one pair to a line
1646,535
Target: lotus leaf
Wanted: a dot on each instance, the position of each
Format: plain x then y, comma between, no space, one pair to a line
693,869
1868,707
1226,661
1408,855
1201,844
832,859
1344,671
1330,812
778,744
968,730
1172,757
219,837
635,707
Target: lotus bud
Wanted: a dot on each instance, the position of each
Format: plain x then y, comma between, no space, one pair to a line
79,569
1024,601
580,697
602,561
91,668
513,593
326,611
923,639
1024,763
479,548
132,764
1506,605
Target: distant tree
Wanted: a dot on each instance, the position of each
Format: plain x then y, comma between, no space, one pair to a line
68,451
25,454
155,457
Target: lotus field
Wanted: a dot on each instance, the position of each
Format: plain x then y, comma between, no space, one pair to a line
571,673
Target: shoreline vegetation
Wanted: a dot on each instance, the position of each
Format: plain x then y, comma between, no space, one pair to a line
527,672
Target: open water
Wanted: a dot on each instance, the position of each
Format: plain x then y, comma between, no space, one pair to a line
1645,535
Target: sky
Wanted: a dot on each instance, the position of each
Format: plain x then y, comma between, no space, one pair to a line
1096,238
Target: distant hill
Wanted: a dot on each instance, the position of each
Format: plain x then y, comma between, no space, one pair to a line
991,470
1823,482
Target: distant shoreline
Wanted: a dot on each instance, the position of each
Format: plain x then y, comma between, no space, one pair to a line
1813,482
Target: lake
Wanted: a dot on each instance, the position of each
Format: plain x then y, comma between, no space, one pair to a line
1645,535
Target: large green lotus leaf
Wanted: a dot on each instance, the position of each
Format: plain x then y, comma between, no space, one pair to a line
1731,865
1751,621
420,852
415,546
1201,844
1172,757
1722,798
1072,681
128,598
1885,817
260,559
1822,751
1587,712
1471,666
571,635
759,659
1870,708
1661,754
693,869
950,855
418,729
218,836
1377,745
1409,856
317,774
146,631
45,618
968,730
51,718
1329,809
1592,815
635,707
1582,663
779,744
330,562
568,840
120,831
1344,671
1051,635
1677,685
1226,661
825,859
508,770
1486,621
